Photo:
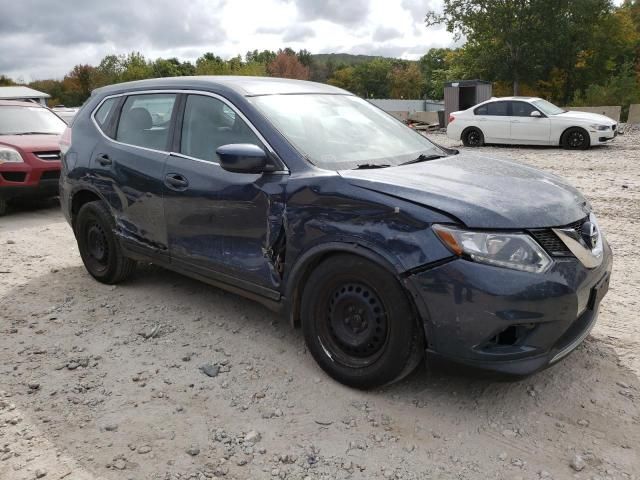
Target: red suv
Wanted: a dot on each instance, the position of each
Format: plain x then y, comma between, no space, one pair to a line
29,151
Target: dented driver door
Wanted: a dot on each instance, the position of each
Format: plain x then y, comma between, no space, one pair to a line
224,225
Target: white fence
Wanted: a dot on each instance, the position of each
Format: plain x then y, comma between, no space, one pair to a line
392,105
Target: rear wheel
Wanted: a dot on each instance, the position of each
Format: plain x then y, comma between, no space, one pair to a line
3,207
576,138
358,323
472,137
99,247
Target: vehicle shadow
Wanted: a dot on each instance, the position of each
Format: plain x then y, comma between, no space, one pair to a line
32,205
146,339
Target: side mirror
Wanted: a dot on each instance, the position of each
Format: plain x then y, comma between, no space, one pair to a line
535,114
243,158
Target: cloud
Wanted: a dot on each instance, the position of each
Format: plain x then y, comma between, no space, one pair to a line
69,23
342,12
298,33
419,8
270,30
45,39
383,34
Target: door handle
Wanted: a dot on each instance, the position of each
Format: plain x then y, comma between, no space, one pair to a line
515,121
104,160
175,181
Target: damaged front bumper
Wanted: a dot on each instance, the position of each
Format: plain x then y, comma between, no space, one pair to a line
505,320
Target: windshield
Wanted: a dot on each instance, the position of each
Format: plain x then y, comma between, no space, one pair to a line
337,132
548,108
15,120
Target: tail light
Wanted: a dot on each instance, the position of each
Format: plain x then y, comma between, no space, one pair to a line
451,118
65,140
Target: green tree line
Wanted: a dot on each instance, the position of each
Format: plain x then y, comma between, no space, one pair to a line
581,52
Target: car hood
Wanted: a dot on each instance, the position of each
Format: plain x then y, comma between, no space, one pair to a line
586,116
31,143
480,191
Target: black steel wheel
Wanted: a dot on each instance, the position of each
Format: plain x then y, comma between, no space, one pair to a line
356,327
473,137
99,247
358,322
576,139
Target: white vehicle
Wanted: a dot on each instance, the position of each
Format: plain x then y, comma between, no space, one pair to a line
65,113
529,121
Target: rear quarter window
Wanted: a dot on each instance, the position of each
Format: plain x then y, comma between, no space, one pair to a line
482,110
102,114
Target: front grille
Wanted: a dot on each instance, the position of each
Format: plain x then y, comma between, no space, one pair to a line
550,241
50,175
50,156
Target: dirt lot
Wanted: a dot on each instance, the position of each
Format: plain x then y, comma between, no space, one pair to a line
101,382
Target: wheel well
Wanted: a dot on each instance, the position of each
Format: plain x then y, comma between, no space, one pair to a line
300,280
567,130
78,200
472,127
300,276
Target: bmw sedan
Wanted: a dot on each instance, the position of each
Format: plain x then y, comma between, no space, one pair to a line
380,244
529,121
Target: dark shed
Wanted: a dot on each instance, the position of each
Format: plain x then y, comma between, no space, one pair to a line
463,94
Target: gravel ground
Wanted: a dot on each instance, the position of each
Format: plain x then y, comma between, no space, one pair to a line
166,378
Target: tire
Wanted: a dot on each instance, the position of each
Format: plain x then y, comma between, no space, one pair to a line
99,248
359,324
472,137
576,138
4,207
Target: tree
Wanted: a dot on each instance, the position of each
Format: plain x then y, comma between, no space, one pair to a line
437,67
6,81
512,40
373,78
209,64
305,57
135,67
344,78
110,70
406,82
286,65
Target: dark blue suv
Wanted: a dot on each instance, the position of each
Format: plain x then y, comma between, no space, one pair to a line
379,243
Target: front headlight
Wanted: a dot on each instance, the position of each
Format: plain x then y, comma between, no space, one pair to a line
510,250
8,154
600,127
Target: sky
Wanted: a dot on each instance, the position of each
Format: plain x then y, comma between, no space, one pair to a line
45,39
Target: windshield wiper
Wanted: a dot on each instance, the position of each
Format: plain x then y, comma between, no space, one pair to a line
364,166
424,158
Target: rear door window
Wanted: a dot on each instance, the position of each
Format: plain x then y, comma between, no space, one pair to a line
481,110
498,109
145,120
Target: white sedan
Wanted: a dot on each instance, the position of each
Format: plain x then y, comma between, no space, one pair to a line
529,121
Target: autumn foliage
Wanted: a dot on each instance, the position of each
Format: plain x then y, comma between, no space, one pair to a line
288,66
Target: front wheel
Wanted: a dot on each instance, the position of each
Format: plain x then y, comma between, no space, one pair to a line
4,206
576,139
358,323
99,247
472,137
